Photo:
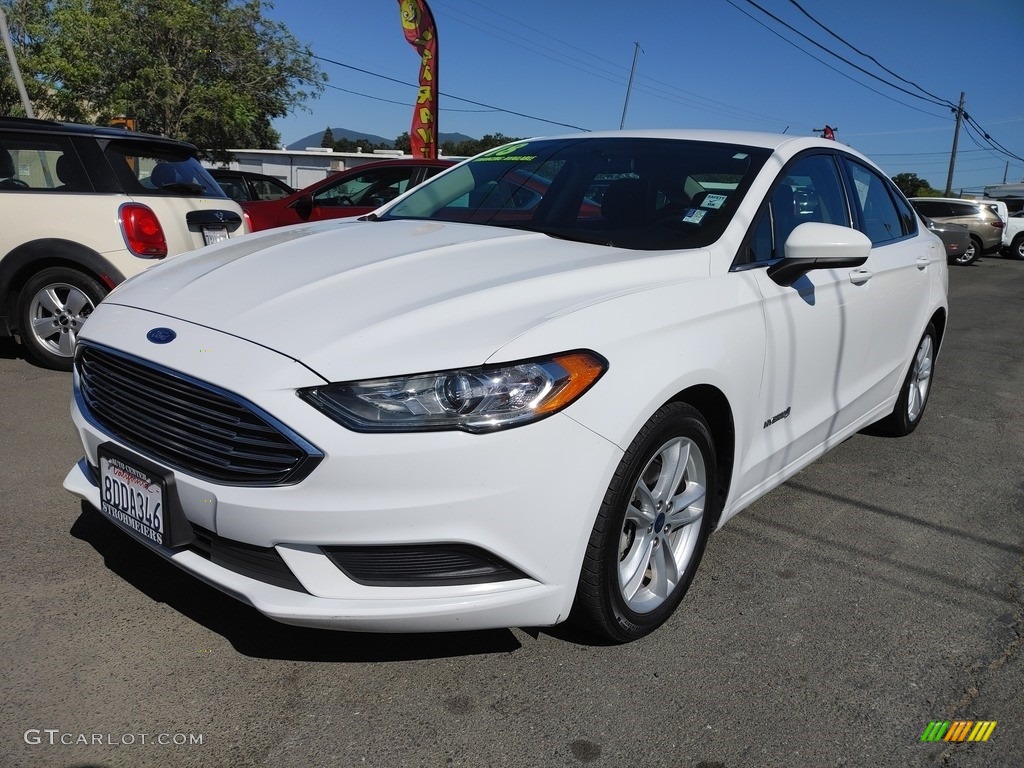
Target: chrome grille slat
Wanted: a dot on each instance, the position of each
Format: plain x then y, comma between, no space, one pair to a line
187,424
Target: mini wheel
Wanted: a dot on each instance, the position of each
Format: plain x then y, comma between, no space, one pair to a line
52,308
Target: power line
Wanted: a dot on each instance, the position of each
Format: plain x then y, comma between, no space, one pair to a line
995,145
841,58
387,101
602,72
450,96
825,63
866,55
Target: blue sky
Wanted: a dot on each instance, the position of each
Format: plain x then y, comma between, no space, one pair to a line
704,64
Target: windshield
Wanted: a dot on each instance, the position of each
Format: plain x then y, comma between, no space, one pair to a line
644,194
157,169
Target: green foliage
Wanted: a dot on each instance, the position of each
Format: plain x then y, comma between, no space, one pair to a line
475,146
912,186
460,148
357,145
328,139
213,72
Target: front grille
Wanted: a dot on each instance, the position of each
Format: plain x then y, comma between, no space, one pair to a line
426,565
187,424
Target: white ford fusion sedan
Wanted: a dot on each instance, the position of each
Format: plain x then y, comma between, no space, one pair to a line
525,391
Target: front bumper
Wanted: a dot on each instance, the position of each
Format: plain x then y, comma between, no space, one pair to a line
528,496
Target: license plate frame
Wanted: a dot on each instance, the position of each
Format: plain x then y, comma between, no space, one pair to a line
134,494
213,235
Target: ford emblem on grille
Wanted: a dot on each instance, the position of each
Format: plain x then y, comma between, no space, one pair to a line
161,335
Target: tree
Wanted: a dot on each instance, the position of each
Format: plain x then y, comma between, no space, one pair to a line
213,72
460,148
328,139
912,186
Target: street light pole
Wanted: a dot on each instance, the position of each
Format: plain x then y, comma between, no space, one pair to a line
5,33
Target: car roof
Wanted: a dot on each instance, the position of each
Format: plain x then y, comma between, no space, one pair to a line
950,200
36,125
749,138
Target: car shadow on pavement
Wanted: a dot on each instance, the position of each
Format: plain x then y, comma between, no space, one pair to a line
253,634
9,350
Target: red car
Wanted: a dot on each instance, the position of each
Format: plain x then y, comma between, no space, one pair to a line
354,192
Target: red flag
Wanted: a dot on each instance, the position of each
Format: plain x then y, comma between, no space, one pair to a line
421,32
829,132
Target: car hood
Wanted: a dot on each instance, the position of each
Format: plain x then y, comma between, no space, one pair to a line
361,299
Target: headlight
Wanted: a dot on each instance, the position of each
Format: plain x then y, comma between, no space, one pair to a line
478,399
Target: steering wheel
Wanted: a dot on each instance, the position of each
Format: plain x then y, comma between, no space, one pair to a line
13,184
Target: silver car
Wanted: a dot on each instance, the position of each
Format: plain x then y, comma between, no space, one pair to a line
982,221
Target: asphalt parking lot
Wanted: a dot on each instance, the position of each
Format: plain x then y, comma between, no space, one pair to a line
829,624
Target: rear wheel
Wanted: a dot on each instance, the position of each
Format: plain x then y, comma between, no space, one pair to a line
652,528
52,308
916,387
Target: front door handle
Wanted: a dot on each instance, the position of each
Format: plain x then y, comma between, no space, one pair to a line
860,276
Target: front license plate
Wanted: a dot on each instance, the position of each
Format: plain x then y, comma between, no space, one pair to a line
132,496
213,235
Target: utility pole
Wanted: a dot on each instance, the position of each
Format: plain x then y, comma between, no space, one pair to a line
956,138
636,52
15,72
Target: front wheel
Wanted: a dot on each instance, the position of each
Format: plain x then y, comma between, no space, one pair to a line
652,528
970,255
52,308
917,386
1017,248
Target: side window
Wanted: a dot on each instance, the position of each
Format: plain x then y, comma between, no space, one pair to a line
932,208
963,209
48,164
880,220
810,190
268,190
372,188
905,211
234,188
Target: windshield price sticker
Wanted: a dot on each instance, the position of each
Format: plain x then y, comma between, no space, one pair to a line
213,235
132,497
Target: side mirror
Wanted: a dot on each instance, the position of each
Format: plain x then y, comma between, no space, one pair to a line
820,246
304,207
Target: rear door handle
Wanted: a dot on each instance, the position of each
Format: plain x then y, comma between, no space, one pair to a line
923,262
860,276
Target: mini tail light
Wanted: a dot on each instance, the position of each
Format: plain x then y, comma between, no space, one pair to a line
142,231
248,222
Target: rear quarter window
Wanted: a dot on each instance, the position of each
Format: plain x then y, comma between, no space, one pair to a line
145,169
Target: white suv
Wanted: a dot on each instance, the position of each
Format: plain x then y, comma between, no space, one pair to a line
84,208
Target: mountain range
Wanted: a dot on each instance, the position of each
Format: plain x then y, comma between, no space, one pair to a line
314,139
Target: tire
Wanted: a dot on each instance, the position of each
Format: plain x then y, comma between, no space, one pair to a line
913,396
969,256
1016,250
52,307
648,539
